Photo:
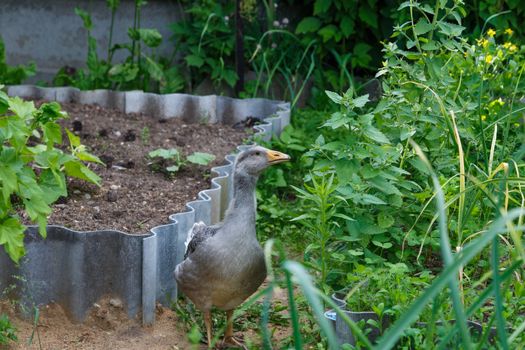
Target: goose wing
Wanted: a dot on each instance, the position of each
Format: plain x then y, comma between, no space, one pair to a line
198,234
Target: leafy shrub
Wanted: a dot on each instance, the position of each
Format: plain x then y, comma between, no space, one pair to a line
7,330
13,75
33,167
148,72
205,40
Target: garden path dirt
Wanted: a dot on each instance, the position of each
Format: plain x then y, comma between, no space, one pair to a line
108,328
132,197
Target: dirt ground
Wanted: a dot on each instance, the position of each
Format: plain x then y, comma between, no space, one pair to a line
107,327
133,196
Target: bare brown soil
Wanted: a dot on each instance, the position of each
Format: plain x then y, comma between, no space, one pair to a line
107,327
134,197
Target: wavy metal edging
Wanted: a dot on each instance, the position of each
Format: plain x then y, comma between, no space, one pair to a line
75,269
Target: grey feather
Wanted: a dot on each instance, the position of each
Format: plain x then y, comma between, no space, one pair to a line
198,234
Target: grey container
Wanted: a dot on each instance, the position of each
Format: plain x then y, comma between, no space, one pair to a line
344,333
345,336
75,269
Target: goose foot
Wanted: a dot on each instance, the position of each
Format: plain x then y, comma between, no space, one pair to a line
231,341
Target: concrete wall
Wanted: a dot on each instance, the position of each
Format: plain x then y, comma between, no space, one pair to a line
49,33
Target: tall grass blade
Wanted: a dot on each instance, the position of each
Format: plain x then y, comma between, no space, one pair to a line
309,291
446,253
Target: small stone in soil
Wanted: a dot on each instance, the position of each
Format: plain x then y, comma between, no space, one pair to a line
118,133
115,303
112,196
107,159
77,125
130,136
128,164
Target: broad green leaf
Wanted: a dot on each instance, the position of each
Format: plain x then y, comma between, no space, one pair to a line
200,158
370,199
384,245
150,37
329,32
376,135
52,133
308,25
430,46
164,153
154,69
124,72
74,140
367,15
385,220
88,157
23,109
450,29
361,101
49,112
334,96
422,27
12,238
384,185
321,6
347,26
194,61
8,180
80,171
173,168
53,185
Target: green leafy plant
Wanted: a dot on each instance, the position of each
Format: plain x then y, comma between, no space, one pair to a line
171,160
7,330
33,168
13,75
205,39
144,70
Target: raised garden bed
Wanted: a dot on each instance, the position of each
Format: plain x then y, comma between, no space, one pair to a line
75,269
123,142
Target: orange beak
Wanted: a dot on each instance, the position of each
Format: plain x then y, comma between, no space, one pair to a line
275,157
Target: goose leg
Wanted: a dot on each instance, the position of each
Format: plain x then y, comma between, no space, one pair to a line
207,322
229,338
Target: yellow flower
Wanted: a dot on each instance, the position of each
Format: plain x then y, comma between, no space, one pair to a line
491,32
499,101
488,59
513,48
509,31
483,42
483,117
507,45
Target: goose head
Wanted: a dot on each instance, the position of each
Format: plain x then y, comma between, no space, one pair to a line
255,159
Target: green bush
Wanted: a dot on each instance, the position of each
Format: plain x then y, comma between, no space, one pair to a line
33,167
13,75
7,330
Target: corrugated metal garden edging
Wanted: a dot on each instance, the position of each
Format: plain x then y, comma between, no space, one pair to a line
76,269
